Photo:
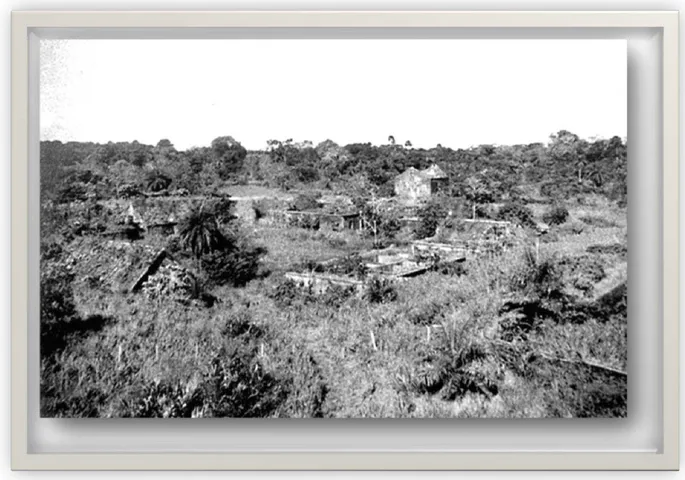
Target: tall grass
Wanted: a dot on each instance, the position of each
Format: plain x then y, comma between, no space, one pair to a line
495,342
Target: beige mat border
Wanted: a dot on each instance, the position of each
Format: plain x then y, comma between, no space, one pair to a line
667,459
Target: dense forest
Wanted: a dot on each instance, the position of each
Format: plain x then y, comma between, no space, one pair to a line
566,167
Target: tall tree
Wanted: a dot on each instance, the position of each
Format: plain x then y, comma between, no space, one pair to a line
229,154
567,147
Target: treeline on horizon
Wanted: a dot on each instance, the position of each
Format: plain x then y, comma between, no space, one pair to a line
566,167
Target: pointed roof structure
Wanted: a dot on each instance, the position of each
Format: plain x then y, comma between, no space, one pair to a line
132,215
434,172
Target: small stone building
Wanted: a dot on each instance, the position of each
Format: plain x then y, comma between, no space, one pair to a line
414,186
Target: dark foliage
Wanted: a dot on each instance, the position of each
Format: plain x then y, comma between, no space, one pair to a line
517,213
351,264
336,295
200,233
157,181
430,217
619,249
556,215
305,201
229,155
285,293
233,265
380,290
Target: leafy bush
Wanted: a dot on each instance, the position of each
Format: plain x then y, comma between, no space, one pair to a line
336,295
234,265
538,278
389,226
427,313
430,217
517,213
285,293
305,201
351,264
380,290
450,268
129,191
583,272
485,211
261,208
72,192
556,215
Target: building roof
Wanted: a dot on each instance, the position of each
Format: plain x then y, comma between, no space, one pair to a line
431,172
410,172
434,172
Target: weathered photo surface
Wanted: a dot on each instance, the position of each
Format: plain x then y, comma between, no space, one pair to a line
330,228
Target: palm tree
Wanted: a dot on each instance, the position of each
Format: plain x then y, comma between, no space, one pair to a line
157,181
200,233
391,139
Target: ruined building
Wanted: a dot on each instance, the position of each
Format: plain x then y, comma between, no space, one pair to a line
414,186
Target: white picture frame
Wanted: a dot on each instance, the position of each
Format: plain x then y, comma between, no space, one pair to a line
25,24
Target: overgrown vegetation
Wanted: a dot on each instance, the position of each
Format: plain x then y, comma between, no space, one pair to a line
202,322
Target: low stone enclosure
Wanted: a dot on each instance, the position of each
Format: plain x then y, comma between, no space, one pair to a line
320,282
391,263
470,240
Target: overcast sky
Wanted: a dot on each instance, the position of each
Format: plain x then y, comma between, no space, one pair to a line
454,92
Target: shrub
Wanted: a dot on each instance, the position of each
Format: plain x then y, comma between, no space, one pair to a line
129,191
427,314
351,264
430,217
336,295
285,293
233,266
261,209
556,215
538,278
235,386
305,201
450,268
517,213
484,211
380,290
73,192
389,226
583,272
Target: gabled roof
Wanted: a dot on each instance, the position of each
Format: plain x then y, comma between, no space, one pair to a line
431,172
410,172
434,172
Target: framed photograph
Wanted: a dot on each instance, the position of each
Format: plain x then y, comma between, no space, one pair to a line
345,240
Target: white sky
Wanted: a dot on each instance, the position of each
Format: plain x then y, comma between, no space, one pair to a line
454,92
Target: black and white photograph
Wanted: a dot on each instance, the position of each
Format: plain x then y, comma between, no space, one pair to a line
333,228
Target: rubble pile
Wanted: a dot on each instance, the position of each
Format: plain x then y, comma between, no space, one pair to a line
170,280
